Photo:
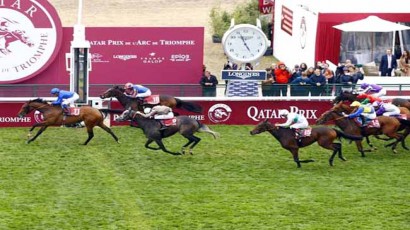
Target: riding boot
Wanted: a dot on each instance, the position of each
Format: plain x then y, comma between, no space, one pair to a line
66,111
163,127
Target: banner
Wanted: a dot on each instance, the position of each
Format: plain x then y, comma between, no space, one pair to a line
224,112
266,6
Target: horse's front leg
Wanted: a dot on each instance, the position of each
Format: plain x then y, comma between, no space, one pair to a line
40,131
370,144
162,146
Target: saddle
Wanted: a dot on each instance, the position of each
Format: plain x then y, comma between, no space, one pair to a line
367,123
299,133
151,100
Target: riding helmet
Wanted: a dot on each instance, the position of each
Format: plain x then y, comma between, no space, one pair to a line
283,112
364,85
355,103
129,85
54,91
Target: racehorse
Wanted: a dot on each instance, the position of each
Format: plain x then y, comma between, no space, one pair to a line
11,36
323,135
185,125
137,104
53,115
389,126
348,96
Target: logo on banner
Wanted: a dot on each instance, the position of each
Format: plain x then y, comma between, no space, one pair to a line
38,116
152,58
219,113
180,57
96,57
30,38
125,57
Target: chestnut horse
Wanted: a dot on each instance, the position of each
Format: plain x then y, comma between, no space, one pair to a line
138,104
389,126
53,115
185,125
323,135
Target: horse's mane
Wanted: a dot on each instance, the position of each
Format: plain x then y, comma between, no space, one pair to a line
38,100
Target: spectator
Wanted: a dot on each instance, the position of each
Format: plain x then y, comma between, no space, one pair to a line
388,64
300,86
208,83
310,71
248,66
295,73
282,76
267,84
341,66
405,64
303,67
318,82
330,79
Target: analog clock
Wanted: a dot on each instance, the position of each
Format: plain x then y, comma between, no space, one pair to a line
245,43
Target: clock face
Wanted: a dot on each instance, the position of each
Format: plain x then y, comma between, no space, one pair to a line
245,43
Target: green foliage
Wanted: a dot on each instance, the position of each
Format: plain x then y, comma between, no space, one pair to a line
245,13
235,182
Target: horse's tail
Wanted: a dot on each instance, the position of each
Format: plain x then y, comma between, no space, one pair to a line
192,107
341,134
205,129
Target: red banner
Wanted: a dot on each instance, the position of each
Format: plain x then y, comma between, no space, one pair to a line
266,6
142,55
215,112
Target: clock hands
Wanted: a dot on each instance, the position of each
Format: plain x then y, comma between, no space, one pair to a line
244,42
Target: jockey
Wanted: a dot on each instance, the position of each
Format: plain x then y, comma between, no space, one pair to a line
64,98
375,90
386,109
368,98
158,112
294,121
136,91
367,111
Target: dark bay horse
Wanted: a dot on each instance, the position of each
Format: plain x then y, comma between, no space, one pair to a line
185,125
136,104
53,115
323,135
389,126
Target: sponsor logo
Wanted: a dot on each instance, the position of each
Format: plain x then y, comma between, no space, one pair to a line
125,57
96,57
152,58
244,75
38,116
219,113
30,38
257,114
180,57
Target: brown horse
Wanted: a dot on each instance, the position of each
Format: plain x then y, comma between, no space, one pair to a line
185,125
137,104
324,136
350,97
389,126
53,115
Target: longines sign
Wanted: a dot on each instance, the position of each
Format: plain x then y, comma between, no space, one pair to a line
30,38
250,75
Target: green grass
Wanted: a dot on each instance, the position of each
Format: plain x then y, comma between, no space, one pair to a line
235,182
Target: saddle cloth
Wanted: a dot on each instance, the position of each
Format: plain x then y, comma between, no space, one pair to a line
152,100
303,132
371,124
169,122
73,111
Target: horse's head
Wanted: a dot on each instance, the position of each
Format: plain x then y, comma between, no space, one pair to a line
21,35
262,127
29,106
337,110
115,91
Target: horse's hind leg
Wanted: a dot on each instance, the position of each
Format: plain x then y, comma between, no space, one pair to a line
108,130
337,149
40,131
147,145
90,135
192,139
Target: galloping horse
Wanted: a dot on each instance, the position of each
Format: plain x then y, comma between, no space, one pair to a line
388,126
136,104
11,36
347,96
323,135
53,115
185,125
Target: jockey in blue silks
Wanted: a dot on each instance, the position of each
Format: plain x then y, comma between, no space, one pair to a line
366,111
64,98
136,91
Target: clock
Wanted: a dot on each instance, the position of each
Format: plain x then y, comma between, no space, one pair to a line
245,42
